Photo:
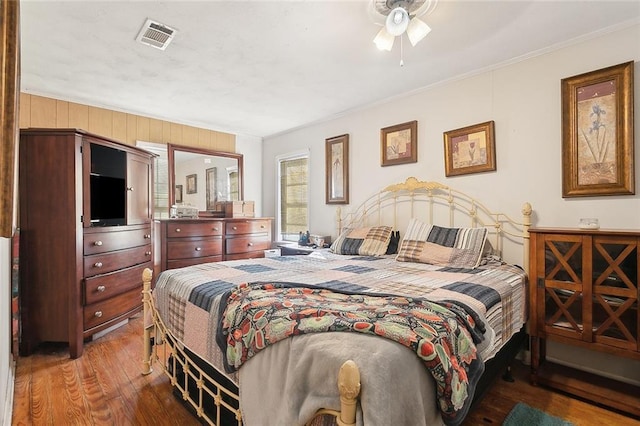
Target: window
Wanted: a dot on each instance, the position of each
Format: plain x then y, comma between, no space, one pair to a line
293,172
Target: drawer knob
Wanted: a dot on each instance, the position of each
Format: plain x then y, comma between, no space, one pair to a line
235,228
98,264
147,253
262,226
177,229
130,188
101,288
250,244
215,229
198,249
97,243
98,314
147,236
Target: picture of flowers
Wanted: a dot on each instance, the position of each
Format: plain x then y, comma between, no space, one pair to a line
399,144
470,149
337,169
597,132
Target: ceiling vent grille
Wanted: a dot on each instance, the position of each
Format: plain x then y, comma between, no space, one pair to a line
155,34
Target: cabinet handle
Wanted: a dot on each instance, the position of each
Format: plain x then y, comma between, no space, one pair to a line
130,188
97,243
235,228
98,314
262,226
215,229
177,229
98,264
147,253
101,288
147,236
250,244
198,249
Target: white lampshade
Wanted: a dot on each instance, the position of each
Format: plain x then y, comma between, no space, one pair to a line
384,40
397,21
417,30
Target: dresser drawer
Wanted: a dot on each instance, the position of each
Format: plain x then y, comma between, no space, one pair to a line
101,312
101,242
193,247
181,263
101,287
190,229
247,227
108,262
248,244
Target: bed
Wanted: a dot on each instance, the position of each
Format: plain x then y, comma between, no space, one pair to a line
375,338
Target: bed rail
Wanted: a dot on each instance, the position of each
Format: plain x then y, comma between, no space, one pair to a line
163,349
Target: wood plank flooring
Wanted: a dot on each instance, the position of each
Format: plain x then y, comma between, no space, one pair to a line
105,387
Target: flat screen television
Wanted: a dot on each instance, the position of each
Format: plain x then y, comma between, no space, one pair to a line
108,200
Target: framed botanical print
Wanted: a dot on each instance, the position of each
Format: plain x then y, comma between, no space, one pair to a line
399,144
471,149
337,169
192,184
597,132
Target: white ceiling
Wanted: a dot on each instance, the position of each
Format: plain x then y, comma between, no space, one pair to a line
264,67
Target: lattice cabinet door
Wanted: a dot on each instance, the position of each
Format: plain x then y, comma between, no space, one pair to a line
563,286
615,291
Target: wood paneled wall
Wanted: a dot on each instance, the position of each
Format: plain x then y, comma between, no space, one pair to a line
39,111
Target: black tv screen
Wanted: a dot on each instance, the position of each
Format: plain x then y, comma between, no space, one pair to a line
108,196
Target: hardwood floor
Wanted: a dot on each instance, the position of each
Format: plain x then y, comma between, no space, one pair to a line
105,387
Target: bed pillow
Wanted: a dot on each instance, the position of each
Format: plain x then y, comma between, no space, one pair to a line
371,241
454,247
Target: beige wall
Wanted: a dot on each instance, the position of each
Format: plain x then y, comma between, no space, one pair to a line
39,111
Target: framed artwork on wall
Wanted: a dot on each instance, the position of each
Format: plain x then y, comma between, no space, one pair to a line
597,132
337,169
471,149
192,184
178,194
212,189
399,144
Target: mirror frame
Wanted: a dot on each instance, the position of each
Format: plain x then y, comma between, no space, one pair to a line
171,149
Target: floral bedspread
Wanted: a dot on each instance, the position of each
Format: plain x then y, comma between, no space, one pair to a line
442,335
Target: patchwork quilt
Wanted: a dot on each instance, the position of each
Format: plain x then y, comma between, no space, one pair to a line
189,299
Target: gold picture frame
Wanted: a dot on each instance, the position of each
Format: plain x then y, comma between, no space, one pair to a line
399,144
597,132
192,184
337,169
470,149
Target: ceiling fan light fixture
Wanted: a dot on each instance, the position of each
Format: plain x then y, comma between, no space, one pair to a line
397,21
384,40
417,30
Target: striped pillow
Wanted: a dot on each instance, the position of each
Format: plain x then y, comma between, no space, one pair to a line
454,247
372,241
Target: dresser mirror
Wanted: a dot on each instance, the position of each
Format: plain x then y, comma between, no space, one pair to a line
201,177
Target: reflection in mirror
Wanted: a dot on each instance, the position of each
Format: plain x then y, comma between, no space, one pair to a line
217,165
205,177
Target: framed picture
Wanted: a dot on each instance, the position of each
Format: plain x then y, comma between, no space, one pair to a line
178,194
471,149
212,189
597,132
337,169
192,184
399,144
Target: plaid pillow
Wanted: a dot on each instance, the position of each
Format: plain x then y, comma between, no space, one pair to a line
372,241
454,247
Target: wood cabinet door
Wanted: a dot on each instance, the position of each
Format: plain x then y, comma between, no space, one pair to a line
139,190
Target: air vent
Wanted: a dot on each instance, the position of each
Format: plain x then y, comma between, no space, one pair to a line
155,34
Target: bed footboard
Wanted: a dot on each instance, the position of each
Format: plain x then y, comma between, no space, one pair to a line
196,386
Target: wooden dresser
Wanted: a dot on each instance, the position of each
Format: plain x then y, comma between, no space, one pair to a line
185,242
85,234
584,292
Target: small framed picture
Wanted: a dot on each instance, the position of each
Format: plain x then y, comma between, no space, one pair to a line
471,149
212,187
597,132
192,184
178,194
337,169
399,144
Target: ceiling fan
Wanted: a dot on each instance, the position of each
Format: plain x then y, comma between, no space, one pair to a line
398,17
